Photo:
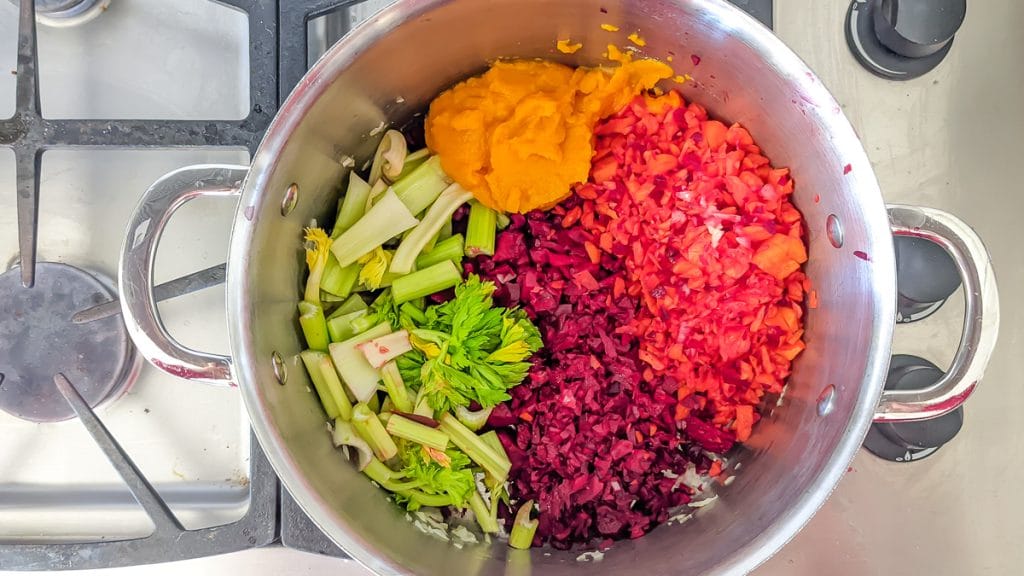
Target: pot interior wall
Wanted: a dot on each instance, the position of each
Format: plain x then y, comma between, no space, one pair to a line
390,69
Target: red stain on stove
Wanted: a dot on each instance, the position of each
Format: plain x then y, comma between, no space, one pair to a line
847,169
695,59
817,198
862,255
851,469
250,211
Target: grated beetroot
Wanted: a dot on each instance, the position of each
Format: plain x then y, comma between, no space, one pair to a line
588,437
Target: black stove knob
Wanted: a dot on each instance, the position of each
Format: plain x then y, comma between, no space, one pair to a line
926,277
903,39
912,441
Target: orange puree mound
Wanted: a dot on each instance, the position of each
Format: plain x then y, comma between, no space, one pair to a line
520,135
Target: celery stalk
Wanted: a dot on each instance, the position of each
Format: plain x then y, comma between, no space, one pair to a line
376,191
340,327
397,391
353,303
480,231
422,186
439,212
424,499
473,420
491,439
503,221
360,378
311,359
413,313
369,428
353,205
403,427
337,280
422,405
523,528
333,383
314,326
477,449
447,249
483,515
389,159
440,276
387,218
446,231
374,403
413,161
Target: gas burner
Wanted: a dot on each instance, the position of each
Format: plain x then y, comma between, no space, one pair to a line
902,39
38,340
926,277
912,441
67,13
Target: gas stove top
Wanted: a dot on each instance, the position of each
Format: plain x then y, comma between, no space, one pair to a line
207,77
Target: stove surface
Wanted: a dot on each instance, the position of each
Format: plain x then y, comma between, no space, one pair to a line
945,140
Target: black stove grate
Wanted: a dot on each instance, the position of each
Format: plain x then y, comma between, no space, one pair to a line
278,55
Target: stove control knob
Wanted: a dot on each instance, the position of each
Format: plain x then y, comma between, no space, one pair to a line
903,39
912,441
926,276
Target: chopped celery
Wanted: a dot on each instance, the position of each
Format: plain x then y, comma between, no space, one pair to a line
413,161
473,420
446,231
439,212
422,405
314,326
328,298
311,359
363,323
389,158
384,349
360,378
337,280
436,278
491,439
376,191
480,230
345,435
422,186
333,383
523,528
369,428
414,313
340,327
318,251
354,303
503,221
483,515
423,499
388,218
395,386
447,249
403,427
474,447
374,403
353,205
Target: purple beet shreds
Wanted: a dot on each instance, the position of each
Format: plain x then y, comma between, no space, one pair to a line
593,443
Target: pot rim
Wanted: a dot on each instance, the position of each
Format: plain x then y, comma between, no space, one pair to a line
780,58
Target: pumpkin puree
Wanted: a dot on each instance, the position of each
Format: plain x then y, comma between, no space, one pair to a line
520,135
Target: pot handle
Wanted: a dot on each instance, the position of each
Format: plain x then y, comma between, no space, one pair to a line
135,277
981,315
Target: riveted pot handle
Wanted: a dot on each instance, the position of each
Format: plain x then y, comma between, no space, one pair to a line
135,277
981,316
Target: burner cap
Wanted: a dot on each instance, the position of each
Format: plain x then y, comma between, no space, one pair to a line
912,441
902,39
38,340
